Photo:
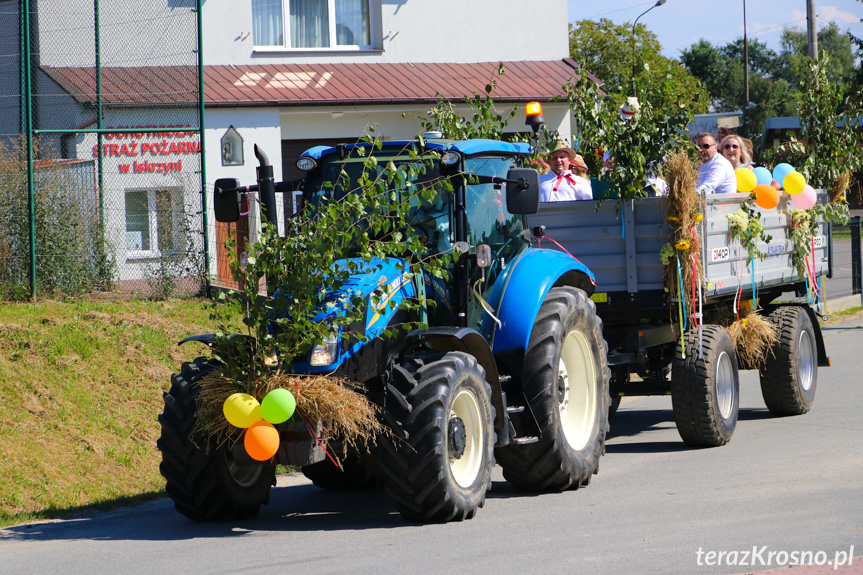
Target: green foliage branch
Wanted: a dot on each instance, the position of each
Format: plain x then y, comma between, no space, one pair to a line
831,149
312,264
486,120
745,225
639,145
805,226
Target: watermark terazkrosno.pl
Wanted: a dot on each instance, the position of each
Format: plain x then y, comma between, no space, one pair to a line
766,557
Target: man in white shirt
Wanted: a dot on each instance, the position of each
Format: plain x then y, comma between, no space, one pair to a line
715,173
562,184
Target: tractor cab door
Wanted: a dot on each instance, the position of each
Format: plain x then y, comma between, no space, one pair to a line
491,224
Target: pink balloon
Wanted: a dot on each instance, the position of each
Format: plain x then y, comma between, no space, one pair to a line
805,199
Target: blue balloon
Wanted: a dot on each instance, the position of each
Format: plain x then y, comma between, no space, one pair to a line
763,176
780,171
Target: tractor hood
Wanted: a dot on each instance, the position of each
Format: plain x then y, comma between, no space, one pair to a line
383,287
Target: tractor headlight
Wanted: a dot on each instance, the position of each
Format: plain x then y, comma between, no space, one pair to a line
327,352
450,159
306,164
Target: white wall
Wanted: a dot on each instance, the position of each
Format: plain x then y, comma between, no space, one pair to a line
132,33
161,32
256,126
352,121
411,31
124,169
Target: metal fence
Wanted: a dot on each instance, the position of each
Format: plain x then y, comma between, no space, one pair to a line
101,169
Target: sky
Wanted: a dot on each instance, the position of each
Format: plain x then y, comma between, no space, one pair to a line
680,23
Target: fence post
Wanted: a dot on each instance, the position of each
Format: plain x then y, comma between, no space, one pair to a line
28,116
856,263
204,222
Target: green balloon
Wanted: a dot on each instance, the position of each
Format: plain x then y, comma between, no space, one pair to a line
278,406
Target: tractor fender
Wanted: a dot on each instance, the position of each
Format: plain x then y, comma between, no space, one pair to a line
469,341
520,291
206,338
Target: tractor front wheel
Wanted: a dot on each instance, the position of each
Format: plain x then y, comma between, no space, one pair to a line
202,477
437,465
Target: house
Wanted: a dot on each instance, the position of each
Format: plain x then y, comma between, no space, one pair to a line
283,74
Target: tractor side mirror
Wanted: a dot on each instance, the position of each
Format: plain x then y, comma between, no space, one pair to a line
522,191
226,199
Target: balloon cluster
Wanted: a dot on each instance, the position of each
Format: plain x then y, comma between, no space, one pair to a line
261,438
759,181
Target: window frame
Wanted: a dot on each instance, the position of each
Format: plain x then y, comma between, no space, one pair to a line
373,12
153,223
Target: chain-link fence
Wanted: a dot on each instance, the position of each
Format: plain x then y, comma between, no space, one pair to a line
100,156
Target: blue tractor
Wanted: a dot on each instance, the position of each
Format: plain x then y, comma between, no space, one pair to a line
512,368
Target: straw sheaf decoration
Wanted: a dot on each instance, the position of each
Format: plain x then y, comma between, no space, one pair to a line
753,336
346,414
684,212
840,184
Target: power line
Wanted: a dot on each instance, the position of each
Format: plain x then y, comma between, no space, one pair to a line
618,10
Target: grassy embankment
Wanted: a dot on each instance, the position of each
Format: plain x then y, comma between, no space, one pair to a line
80,389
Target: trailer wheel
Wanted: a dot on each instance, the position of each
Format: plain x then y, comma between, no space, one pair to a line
437,465
360,470
202,478
789,374
566,379
705,393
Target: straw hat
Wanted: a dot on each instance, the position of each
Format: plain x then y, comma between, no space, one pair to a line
561,147
578,162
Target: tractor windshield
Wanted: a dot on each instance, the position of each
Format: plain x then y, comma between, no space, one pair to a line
337,177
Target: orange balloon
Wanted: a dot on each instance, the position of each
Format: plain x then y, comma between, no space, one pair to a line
261,441
766,196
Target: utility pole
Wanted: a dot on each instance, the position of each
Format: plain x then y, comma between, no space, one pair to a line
746,75
812,29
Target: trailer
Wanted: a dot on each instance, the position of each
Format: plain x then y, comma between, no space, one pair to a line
620,241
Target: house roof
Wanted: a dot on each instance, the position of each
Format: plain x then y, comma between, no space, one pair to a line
316,84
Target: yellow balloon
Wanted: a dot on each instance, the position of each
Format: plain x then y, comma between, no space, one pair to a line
242,410
746,180
794,183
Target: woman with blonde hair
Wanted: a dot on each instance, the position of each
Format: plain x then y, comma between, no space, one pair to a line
735,151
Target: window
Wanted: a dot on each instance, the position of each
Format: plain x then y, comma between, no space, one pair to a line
150,222
312,24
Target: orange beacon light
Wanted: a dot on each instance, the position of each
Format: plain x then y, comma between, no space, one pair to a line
533,113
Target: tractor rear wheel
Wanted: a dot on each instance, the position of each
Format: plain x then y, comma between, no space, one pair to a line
437,465
202,477
566,379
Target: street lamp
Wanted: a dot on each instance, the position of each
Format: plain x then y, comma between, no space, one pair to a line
635,62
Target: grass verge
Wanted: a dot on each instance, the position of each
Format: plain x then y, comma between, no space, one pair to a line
82,385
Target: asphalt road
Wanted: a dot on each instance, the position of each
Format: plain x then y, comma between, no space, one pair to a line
782,485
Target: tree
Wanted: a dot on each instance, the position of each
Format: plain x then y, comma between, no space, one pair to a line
705,62
795,46
830,129
639,145
721,70
611,53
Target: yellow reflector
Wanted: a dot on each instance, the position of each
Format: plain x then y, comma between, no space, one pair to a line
533,109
